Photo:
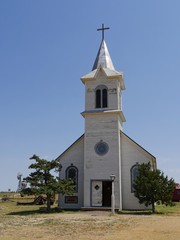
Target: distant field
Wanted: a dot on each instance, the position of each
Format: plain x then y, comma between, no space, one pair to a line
26,222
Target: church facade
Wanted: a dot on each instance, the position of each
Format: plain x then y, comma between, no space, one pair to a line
104,149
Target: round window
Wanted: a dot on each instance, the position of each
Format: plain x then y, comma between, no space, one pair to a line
101,148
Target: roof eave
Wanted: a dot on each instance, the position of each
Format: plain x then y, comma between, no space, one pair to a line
67,149
106,112
114,75
153,158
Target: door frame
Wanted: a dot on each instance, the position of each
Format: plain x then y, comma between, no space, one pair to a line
91,195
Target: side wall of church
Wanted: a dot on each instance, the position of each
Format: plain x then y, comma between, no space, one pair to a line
74,156
132,154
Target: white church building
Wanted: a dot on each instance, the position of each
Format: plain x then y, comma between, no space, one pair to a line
104,149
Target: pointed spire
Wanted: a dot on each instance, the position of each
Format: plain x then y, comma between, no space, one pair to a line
103,58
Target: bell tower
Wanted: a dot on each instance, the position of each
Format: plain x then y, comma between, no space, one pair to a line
103,122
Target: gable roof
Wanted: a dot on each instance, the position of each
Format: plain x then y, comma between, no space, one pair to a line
122,133
137,144
80,138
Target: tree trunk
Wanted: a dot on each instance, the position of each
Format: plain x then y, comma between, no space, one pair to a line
153,207
48,202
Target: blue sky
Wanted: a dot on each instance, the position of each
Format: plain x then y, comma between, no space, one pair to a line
46,46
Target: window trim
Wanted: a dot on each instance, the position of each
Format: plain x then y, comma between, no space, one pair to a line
101,96
76,169
133,168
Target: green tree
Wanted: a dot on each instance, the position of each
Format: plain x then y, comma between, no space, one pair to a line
42,181
151,186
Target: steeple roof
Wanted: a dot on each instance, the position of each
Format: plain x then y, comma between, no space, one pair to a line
104,63
103,58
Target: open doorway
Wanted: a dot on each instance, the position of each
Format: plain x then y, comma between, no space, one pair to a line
106,193
101,193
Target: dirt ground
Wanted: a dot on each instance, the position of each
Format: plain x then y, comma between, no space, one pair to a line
90,226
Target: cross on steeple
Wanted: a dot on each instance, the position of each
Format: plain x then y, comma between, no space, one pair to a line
103,29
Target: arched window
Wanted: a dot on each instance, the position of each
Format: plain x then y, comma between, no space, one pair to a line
104,98
134,174
101,97
72,173
98,98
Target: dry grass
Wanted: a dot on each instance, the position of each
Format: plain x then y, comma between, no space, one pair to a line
26,222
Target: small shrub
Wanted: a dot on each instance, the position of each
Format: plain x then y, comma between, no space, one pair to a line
5,198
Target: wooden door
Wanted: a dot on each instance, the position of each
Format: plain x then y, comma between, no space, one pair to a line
96,193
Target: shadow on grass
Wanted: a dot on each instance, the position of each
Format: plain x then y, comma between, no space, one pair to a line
131,212
37,211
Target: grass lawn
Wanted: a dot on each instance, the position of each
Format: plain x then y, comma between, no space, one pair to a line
19,222
167,210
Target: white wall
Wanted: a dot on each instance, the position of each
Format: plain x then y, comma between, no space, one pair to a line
74,155
132,153
101,128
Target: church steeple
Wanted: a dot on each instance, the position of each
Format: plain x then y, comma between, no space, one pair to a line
103,58
103,125
103,86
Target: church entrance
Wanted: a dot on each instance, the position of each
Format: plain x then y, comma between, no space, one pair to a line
101,193
106,193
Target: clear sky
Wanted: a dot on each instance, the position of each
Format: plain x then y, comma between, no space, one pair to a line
46,46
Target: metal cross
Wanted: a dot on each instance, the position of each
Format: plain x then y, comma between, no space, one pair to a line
102,29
